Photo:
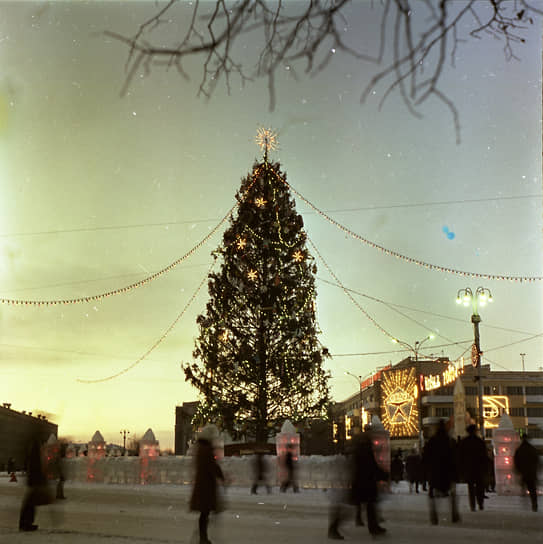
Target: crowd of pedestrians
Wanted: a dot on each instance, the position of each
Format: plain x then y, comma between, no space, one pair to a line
442,463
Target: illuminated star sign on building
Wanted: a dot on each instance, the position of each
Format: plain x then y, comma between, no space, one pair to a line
399,405
399,410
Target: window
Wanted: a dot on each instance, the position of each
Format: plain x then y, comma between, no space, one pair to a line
491,390
470,390
444,411
534,389
444,391
517,411
514,390
536,411
535,433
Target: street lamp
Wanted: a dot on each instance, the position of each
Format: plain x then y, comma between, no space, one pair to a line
359,380
415,349
480,298
124,432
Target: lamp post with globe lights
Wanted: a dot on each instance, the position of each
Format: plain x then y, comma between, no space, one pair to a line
480,298
123,433
415,349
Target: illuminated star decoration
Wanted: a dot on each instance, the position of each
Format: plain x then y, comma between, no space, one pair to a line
224,336
298,256
242,242
266,139
400,414
260,202
252,275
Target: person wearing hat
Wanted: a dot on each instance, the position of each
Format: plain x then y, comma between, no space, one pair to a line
204,498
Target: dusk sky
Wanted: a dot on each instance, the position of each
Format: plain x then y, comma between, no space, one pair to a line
99,191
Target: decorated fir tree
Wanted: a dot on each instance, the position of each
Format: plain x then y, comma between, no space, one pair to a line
260,361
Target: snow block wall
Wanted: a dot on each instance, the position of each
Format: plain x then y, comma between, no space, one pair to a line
319,472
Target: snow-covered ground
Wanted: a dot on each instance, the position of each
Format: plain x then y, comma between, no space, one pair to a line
119,514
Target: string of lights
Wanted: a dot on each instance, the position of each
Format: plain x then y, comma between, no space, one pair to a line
407,259
158,342
443,316
140,283
353,300
460,343
91,298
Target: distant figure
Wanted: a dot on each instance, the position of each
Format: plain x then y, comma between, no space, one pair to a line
365,475
36,481
204,498
60,468
526,461
473,460
11,465
396,467
491,473
290,468
440,465
339,497
414,470
260,468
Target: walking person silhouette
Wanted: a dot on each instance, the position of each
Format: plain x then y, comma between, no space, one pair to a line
204,498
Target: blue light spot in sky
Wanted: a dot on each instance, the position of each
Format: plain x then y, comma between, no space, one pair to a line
450,234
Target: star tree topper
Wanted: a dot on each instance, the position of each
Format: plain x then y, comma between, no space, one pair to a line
267,140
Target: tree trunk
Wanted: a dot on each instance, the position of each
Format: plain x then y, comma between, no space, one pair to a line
262,400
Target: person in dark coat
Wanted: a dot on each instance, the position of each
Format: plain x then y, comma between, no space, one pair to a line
414,470
473,460
290,468
440,465
526,462
11,466
36,481
491,472
260,472
396,467
339,497
366,474
204,498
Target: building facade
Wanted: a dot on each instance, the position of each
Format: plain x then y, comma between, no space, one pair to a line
16,429
412,396
184,431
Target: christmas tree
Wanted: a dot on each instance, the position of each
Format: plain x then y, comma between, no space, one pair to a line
260,361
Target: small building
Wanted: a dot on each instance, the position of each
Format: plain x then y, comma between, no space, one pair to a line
184,431
148,445
97,446
16,428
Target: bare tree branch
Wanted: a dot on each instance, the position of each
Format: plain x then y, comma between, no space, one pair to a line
411,61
